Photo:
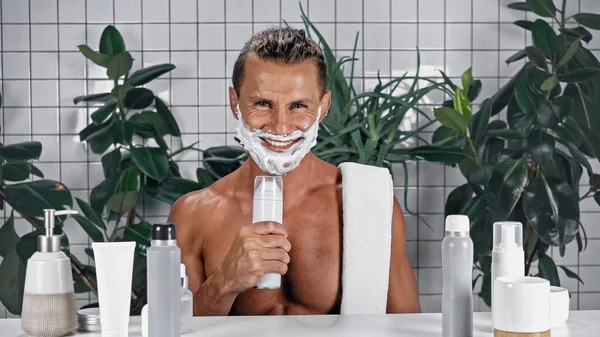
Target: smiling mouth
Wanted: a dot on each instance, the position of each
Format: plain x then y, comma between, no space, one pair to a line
279,146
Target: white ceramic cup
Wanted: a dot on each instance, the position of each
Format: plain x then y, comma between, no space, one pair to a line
559,302
521,304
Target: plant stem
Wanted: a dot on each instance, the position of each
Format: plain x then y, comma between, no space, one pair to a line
130,217
587,194
477,160
189,147
562,14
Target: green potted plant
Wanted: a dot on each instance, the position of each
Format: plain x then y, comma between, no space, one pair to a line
528,168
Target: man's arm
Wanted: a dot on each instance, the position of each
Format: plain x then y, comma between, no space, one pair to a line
210,296
403,295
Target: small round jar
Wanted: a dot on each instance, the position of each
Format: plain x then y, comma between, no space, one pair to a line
89,319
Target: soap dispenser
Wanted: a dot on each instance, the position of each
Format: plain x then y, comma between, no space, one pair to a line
49,298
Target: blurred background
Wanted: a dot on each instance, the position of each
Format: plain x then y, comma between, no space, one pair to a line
43,71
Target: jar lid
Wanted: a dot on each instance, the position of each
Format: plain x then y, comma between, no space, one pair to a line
89,319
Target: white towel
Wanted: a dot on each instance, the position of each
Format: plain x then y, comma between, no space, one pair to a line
367,198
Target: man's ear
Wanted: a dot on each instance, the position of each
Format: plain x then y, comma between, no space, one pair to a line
325,104
233,101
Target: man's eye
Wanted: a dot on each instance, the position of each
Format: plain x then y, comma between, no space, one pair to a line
265,104
298,106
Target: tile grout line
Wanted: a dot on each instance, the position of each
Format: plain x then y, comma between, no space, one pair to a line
86,73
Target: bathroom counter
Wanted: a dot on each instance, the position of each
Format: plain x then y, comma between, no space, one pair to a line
580,324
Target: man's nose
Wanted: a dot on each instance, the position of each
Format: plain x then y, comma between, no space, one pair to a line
281,123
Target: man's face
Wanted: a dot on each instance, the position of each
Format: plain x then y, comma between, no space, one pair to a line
280,99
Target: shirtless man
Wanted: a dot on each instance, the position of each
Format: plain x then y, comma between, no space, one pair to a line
279,88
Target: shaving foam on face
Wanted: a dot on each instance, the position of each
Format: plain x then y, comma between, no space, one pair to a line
276,163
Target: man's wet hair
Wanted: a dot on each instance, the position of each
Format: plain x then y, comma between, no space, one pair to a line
282,45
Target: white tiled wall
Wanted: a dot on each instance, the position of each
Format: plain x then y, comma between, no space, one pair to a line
42,71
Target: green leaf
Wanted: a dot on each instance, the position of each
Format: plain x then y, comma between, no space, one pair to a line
90,214
507,134
536,57
570,132
104,97
98,58
462,104
541,146
569,53
579,75
92,130
204,177
222,160
590,90
152,161
27,245
520,6
12,281
163,111
503,96
146,75
444,136
125,194
474,90
588,20
111,42
506,185
579,32
544,38
22,151
571,274
8,236
458,199
122,132
482,175
32,198
100,194
17,171
110,163
34,170
543,8
550,83
138,98
172,189
100,115
119,65
448,81
516,56
597,197
160,141
480,121
527,100
547,269
527,25
552,209
90,228
139,233
452,119
467,79
144,121
563,106
438,154
579,157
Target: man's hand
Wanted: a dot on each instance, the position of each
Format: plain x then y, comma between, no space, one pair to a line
257,249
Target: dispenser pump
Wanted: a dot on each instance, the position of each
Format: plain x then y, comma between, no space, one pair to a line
508,235
50,243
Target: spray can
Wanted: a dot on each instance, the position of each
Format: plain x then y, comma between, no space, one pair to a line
268,206
457,269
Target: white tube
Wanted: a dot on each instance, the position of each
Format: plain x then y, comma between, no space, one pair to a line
114,269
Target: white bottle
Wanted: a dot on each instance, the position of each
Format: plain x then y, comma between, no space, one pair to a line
187,303
268,206
457,269
508,258
49,300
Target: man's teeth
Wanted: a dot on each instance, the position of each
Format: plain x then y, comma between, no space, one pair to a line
277,143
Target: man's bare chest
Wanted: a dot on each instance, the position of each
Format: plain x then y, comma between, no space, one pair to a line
312,283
